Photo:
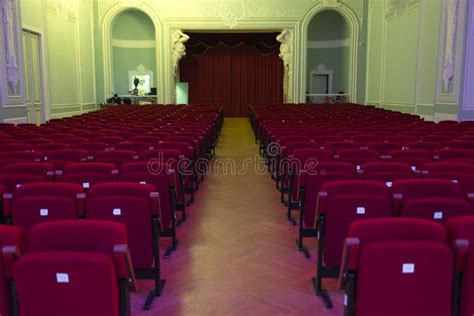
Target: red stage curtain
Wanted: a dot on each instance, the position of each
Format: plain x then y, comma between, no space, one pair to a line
233,69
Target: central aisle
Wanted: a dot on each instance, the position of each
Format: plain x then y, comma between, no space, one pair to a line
237,253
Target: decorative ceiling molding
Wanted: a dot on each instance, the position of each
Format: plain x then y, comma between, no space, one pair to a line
233,12
329,44
68,8
357,6
116,42
393,8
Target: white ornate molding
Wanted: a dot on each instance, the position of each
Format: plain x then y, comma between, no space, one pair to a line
286,54
394,7
357,6
329,44
234,12
178,38
133,43
16,120
68,8
450,46
354,22
10,50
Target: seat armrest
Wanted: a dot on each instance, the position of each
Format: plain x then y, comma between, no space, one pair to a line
7,202
155,203
114,174
10,255
350,259
321,203
58,175
397,204
461,253
50,175
81,204
470,197
123,264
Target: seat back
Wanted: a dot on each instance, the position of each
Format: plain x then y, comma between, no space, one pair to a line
343,202
74,235
395,229
386,172
62,157
111,140
358,156
406,269
116,157
130,204
66,281
36,203
439,209
88,174
92,147
410,188
12,181
453,153
162,177
312,182
432,169
42,169
137,147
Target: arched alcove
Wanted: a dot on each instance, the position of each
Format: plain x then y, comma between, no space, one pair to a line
328,55
353,22
133,52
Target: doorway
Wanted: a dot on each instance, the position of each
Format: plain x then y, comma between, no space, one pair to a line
33,74
328,56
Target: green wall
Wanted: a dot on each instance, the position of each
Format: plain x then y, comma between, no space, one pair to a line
403,57
69,54
131,27
125,59
329,26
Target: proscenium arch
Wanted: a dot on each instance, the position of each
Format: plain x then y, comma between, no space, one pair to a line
106,31
354,26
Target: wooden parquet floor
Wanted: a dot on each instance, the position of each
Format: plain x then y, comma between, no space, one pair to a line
237,253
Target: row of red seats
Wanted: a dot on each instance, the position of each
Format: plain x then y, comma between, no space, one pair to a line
341,164
408,267
78,165
122,164
71,268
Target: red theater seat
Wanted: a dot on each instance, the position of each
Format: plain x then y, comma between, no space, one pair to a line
36,203
137,206
88,174
406,189
339,204
305,186
162,177
116,157
388,268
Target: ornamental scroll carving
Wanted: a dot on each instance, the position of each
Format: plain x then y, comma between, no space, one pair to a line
450,51
286,54
179,50
11,57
